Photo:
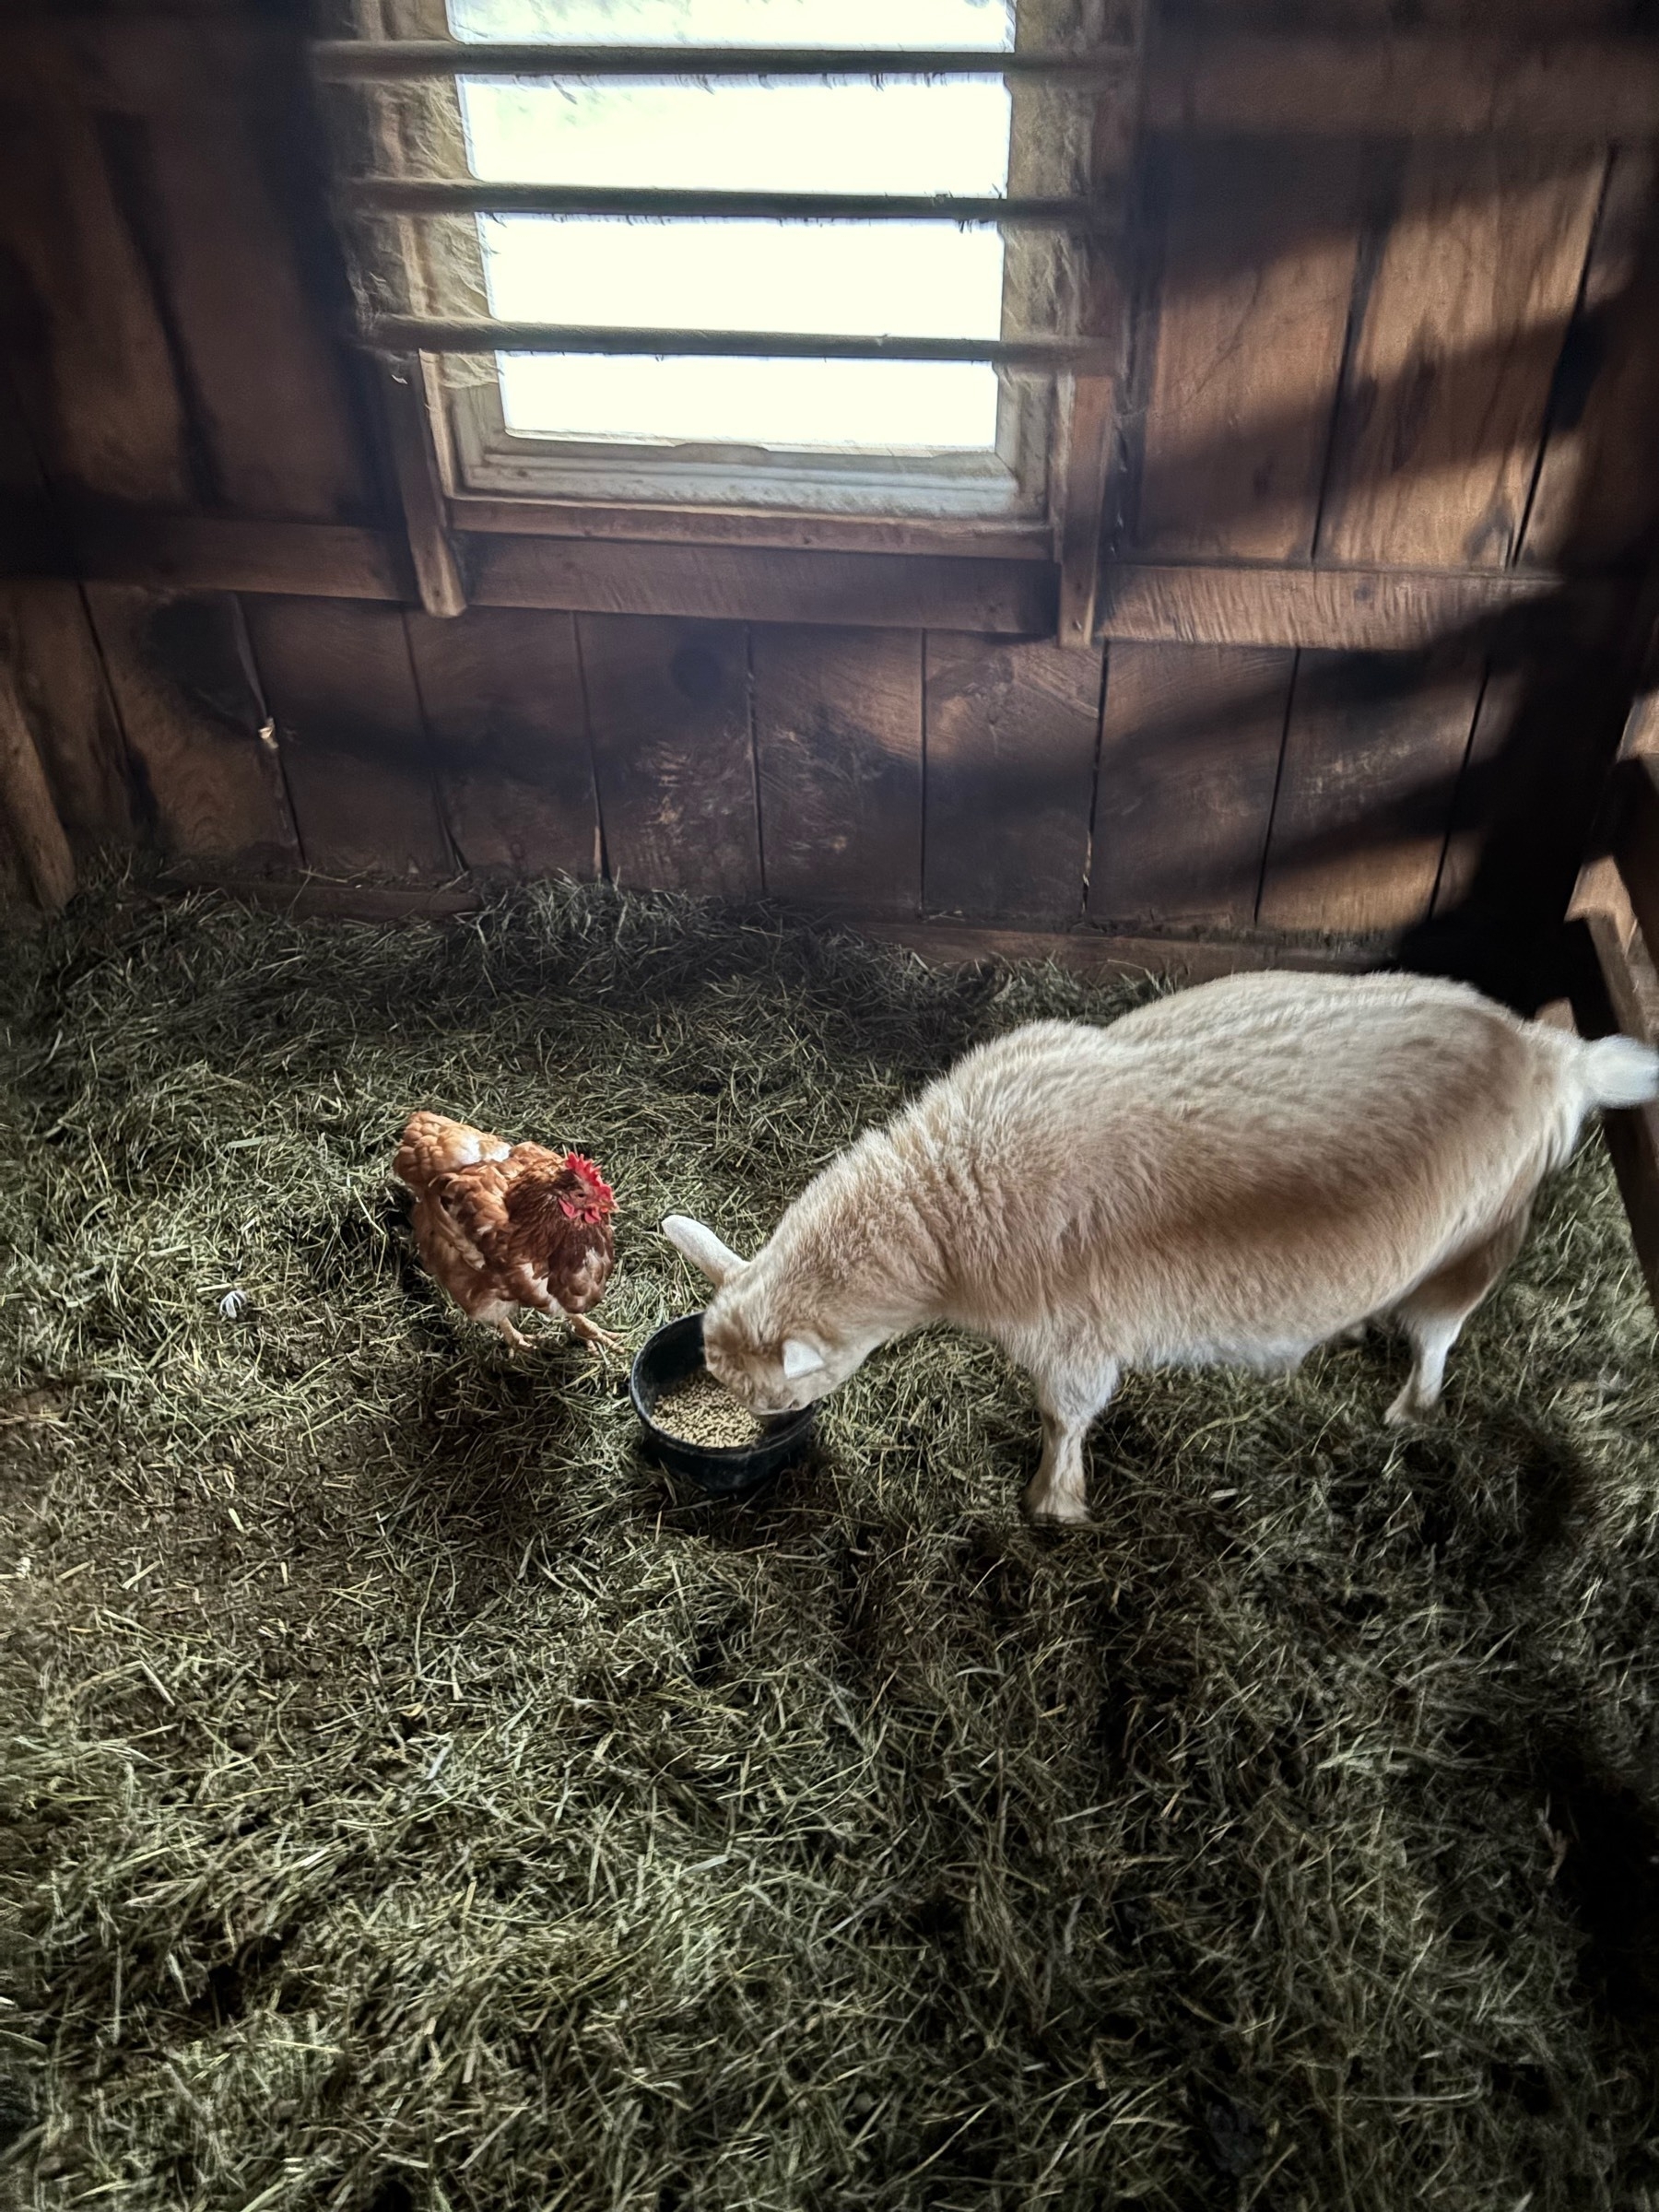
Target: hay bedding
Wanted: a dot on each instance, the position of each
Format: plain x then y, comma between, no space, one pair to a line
410,1803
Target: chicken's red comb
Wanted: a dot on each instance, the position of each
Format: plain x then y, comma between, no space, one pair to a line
584,1169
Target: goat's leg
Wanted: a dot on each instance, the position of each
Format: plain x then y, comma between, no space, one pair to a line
1432,1336
1070,1393
1435,1312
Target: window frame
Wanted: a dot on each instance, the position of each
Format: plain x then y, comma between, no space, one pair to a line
1004,501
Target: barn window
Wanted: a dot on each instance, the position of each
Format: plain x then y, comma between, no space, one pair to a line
806,136
530,232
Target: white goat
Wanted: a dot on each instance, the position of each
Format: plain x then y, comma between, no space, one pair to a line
1233,1174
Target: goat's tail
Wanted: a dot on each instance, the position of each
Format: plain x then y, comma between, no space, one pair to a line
1618,1071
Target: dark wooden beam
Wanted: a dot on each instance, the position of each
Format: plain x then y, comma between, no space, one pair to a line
326,561
987,538
437,196
1353,609
26,807
1636,844
884,591
194,552
1090,400
1349,609
1416,84
1406,85
344,60
1605,1000
485,334
411,434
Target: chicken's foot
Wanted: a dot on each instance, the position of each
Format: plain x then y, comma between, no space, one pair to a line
593,1335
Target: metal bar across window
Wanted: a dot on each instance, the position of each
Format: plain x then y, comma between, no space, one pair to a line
340,59
435,195
482,334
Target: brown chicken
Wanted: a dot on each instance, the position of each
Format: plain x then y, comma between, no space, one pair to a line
501,1226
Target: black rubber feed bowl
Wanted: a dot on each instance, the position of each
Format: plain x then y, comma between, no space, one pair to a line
667,1358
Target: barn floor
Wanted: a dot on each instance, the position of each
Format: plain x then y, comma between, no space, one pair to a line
410,1803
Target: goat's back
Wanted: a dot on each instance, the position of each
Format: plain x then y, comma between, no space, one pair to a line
1241,1168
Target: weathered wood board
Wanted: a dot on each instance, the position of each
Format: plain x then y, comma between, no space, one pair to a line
1597,491
209,782
1258,269
1384,392
1012,732
1190,744
837,745
87,339
503,705
1483,766
46,636
1374,748
668,708
266,386
1443,407
341,689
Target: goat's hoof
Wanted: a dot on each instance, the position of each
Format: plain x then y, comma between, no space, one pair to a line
1054,1510
1408,1409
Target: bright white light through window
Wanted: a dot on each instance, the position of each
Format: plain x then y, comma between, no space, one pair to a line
914,278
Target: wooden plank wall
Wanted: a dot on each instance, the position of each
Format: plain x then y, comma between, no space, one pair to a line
1405,357
1349,356
1413,355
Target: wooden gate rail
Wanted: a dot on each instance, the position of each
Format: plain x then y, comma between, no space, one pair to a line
1607,997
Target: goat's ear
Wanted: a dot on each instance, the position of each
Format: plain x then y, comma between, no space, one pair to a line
799,1360
702,1248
